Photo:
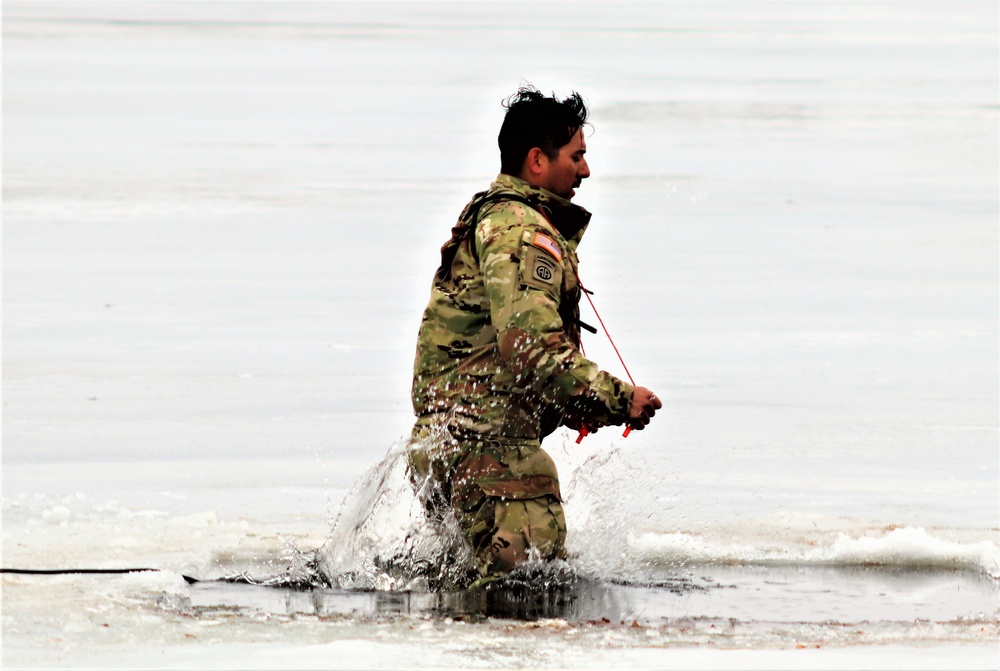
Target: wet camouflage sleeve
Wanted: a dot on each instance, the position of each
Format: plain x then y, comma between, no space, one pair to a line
525,313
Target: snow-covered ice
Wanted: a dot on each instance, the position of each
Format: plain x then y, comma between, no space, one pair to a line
219,225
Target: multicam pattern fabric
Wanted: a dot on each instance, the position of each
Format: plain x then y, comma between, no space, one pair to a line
498,347
498,367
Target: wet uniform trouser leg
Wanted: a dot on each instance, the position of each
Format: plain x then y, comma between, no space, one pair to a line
503,492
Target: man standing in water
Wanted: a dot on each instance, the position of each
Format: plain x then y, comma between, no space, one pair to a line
498,365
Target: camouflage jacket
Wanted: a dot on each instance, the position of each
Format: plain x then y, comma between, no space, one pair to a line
498,348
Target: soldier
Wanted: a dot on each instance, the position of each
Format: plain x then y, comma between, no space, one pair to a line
498,365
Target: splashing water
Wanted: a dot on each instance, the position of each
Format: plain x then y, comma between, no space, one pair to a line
599,516
628,561
383,538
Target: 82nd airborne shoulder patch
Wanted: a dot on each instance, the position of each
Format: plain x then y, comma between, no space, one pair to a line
541,271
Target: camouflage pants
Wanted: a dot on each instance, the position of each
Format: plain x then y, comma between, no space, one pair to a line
504,493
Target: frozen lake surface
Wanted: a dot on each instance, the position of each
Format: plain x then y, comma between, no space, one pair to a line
220,221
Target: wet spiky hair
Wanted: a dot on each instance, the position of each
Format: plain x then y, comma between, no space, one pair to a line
536,120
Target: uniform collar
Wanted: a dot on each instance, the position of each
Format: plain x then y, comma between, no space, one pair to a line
568,219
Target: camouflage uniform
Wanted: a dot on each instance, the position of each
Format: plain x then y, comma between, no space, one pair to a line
498,367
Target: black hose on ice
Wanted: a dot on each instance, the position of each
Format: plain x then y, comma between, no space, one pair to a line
68,571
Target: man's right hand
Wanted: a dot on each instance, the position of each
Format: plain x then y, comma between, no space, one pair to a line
644,406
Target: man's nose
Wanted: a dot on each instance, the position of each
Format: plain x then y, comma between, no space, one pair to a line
584,170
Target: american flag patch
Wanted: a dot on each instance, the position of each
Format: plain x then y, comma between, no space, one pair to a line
548,244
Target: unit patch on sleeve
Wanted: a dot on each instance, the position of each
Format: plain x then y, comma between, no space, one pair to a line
539,270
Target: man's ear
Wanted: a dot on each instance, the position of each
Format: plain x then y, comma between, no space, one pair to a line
535,162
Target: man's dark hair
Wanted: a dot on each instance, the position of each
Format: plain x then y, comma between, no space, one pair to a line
536,120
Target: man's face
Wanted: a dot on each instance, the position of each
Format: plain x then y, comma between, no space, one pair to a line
563,174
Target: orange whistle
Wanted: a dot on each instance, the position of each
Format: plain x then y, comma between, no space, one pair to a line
628,430
583,434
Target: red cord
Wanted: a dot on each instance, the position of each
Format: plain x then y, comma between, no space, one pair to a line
605,328
628,429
